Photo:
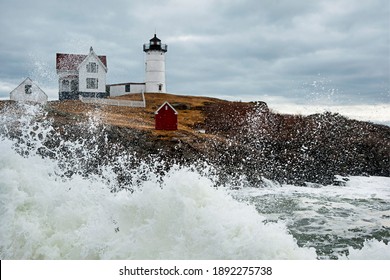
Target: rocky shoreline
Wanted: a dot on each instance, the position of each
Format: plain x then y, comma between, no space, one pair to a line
239,140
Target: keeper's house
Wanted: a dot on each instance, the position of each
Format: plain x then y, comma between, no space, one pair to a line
83,75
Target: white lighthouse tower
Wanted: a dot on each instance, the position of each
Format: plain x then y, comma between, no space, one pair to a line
155,65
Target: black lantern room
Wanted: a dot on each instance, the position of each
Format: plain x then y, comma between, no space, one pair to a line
155,45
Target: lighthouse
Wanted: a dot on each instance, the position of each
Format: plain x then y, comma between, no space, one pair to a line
155,65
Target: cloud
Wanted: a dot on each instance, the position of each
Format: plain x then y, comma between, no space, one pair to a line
5,89
374,113
221,48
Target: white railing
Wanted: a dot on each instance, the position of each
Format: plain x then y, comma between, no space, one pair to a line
114,102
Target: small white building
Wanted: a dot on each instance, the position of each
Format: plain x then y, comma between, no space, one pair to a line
83,75
126,88
28,91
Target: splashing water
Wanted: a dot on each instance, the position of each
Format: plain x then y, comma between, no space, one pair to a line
46,217
179,214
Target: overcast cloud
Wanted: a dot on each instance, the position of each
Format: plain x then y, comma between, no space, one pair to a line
299,53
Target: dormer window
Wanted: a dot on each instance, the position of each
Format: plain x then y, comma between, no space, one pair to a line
92,67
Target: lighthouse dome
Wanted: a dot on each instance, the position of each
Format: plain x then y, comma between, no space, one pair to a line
155,45
155,40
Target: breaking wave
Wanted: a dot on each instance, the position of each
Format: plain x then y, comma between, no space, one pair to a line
44,216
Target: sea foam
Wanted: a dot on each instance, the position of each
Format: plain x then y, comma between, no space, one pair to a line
44,216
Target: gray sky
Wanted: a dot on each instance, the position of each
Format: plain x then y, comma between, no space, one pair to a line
288,53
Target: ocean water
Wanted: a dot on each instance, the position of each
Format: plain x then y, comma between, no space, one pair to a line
178,215
336,220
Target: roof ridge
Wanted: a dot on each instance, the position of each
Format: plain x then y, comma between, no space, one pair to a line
70,61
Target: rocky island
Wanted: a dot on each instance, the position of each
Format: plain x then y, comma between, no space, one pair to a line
238,139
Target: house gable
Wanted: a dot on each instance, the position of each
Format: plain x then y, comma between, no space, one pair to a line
28,91
92,57
166,117
162,106
92,75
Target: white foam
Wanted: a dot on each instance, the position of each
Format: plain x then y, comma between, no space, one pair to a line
372,250
45,217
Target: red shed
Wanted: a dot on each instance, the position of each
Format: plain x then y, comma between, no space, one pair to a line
166,117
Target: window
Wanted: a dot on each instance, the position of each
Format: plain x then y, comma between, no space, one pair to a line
74,85
92,83
27,89
92,67
65,85
127,88
160,87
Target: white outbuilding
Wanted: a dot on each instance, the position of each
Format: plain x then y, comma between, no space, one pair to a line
28,91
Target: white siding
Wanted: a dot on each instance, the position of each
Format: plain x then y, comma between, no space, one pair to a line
30,94
118,90
84,74
155,71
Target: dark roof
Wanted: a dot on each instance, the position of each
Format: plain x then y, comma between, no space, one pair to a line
155,39
155,45
70,62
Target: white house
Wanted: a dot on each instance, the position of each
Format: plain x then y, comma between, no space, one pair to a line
28,91
154,72
83,75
